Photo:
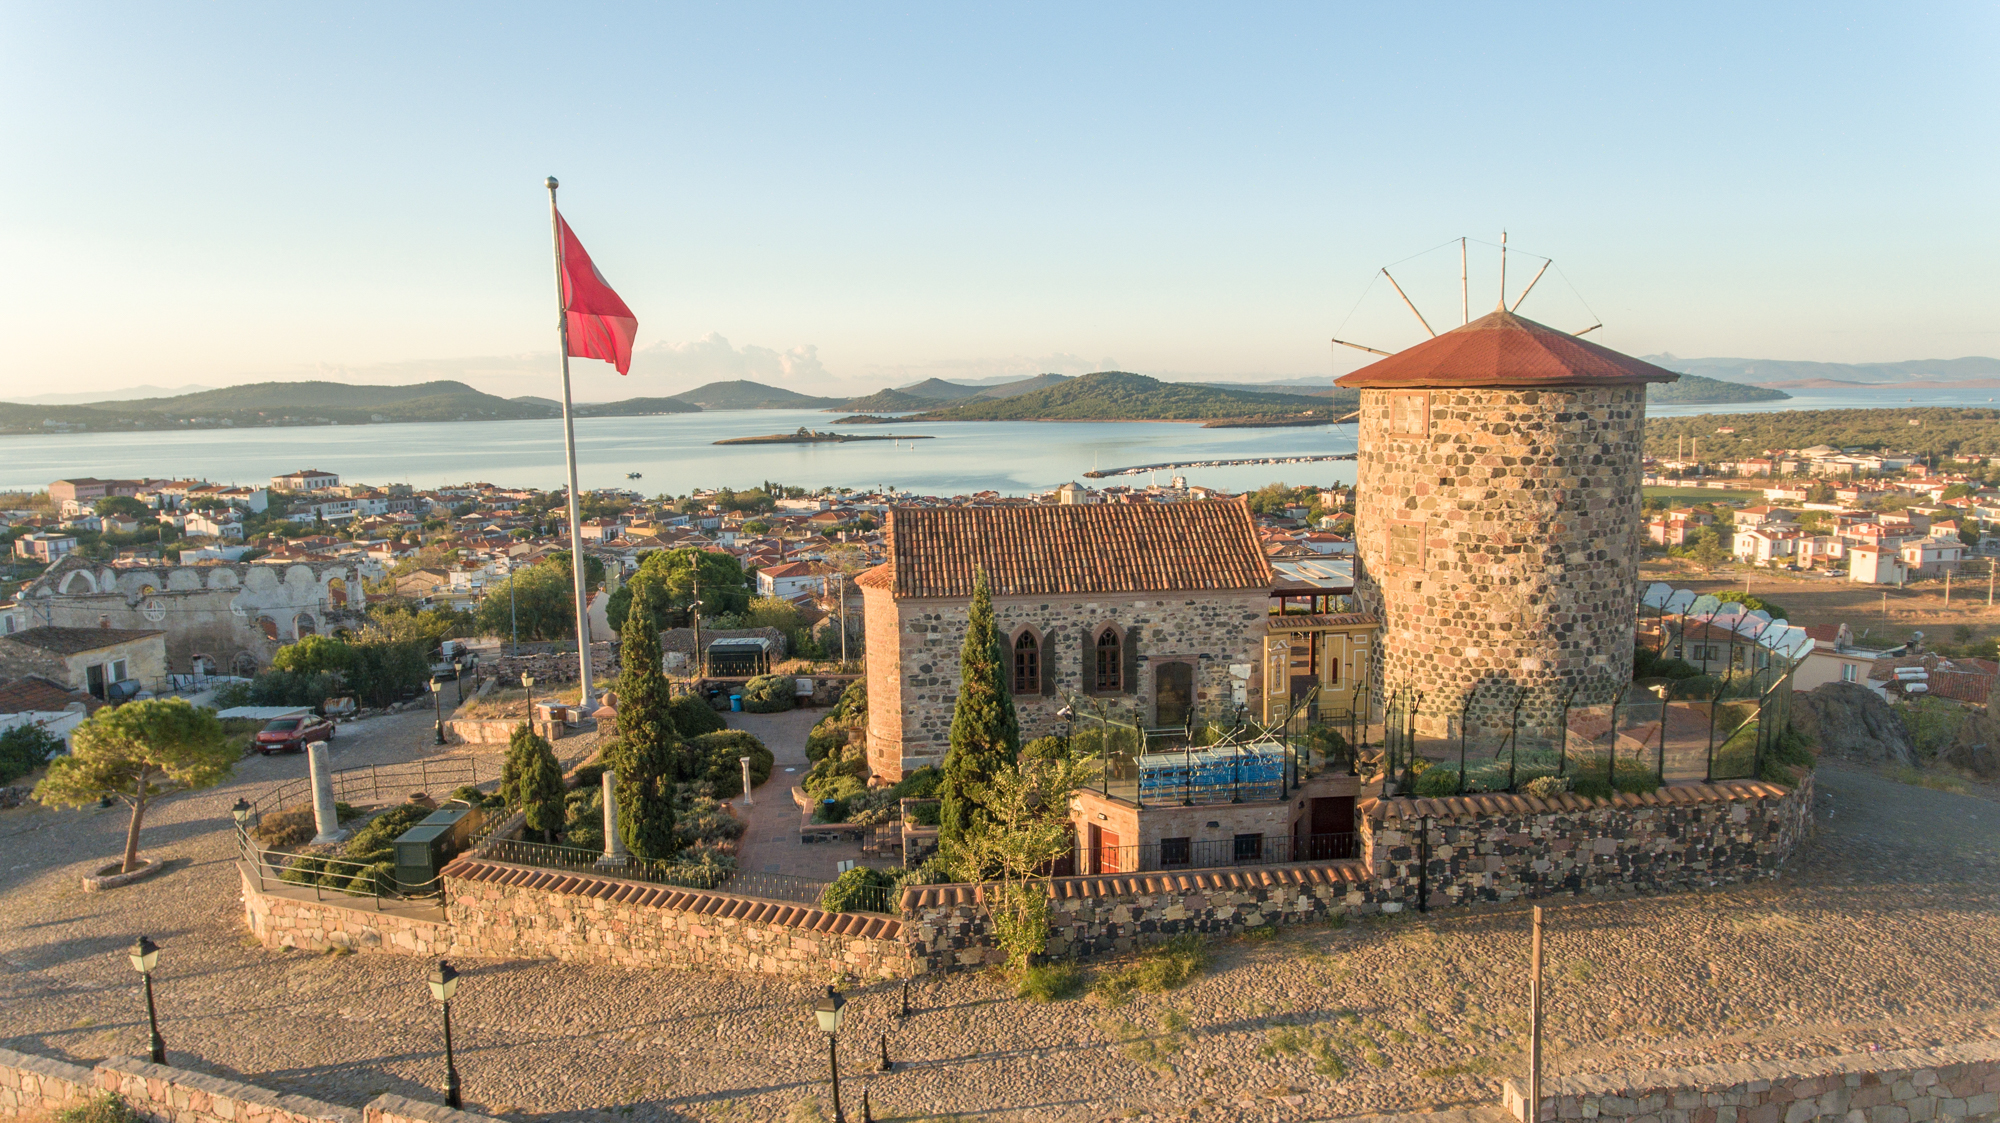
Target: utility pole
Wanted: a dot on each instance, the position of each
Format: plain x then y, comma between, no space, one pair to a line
1947,588
1535,1023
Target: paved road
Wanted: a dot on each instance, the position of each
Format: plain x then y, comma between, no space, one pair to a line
770,843
1883,935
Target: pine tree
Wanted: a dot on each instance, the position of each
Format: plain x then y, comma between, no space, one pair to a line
985,734
650,755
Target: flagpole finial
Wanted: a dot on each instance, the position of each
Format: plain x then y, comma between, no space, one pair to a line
550,183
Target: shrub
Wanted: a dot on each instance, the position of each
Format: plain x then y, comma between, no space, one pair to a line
230,695
1050,982
921,784
1543,787
473,797
694,717
107,1108
1156,970
293,826
583,817
769,694
831,809
25,748
860,889
925,814
1586,777
836,777
1435,782
825,740
698,818
587,776
1045,748
714,757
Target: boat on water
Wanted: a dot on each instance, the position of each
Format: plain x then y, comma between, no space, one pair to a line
635,475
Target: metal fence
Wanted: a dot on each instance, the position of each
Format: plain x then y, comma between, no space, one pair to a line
1218,755
786,888
373,783
333,878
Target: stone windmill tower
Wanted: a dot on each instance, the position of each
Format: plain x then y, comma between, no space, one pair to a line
1497,519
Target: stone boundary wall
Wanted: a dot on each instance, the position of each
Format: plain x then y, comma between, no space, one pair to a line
1951,1084
947,927
280,920
30,1084
1503,847
504,911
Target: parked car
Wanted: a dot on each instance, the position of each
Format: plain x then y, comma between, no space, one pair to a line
293,734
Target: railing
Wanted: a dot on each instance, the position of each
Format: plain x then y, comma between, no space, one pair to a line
1188,854
332,878
374,782
738,883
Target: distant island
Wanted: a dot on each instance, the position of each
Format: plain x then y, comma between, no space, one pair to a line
1122,396
805,436
1693,389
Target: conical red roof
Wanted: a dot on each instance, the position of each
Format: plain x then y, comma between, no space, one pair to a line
1503,350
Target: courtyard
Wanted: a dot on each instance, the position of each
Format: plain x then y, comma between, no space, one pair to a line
1880,936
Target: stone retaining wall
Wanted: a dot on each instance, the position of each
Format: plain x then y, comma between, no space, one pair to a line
504,911
1952,1084
1502,847
280,919
31,1084
946,926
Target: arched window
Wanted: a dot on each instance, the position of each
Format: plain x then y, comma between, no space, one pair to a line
1109,676
1027,664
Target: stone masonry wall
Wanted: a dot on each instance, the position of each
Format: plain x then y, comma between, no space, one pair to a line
946,926
1499,538
282,921
1500,847
31,1084
1951,1084
909,722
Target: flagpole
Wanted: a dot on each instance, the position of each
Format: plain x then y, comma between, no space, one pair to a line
576,560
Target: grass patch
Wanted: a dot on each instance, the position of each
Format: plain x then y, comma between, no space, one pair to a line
107,1108
1050,982
1155,971
1262,934
1937,782
1702,494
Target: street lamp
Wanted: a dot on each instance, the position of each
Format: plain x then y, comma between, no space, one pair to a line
145,956
437,703
241,813
444,984
458,676
828,1012
528,684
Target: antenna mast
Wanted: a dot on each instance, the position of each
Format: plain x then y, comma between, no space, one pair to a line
1503,271
1464,294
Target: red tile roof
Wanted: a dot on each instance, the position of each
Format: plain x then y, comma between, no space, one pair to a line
35,694
1501,349
1082,548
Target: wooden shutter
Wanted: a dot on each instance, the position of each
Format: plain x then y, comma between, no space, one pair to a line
1048,663
1088,679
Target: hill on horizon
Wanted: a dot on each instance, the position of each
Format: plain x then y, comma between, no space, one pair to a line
1695,389
1123,396
1766,371
938,390
744,394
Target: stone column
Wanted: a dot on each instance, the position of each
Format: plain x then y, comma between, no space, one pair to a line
748,799
324,816
614,846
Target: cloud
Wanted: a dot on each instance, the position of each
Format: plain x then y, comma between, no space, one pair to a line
714,359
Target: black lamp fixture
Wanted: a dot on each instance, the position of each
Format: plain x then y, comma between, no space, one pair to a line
146,956
528,684
241,813
437,703
828,1013
444,984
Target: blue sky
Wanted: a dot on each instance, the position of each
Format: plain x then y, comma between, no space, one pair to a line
862,195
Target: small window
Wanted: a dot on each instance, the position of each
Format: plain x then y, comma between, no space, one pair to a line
1850,673
1110,674
1249,847
1027,664
1175,852
118,670
1409,414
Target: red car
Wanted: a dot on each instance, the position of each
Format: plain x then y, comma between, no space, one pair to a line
293,734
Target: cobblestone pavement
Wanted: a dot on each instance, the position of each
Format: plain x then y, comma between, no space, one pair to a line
1882,935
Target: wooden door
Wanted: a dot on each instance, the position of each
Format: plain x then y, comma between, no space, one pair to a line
1332,828
1103,850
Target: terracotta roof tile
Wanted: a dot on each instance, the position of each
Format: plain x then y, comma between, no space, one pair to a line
1501,349
35,694
1083,548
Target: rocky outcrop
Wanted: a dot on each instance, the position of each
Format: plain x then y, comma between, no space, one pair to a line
1853,723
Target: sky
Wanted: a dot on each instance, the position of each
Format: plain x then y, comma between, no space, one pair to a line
841,197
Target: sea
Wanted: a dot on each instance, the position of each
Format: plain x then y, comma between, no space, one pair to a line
676,453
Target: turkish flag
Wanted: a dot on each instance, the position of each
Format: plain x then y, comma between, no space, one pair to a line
600,326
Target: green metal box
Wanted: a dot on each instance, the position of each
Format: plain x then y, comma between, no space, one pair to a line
424,849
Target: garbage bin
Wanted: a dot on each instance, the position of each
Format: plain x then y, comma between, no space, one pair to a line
736,703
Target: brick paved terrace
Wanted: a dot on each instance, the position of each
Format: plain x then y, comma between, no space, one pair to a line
1883,934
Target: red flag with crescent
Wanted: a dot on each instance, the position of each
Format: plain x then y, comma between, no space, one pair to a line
600,325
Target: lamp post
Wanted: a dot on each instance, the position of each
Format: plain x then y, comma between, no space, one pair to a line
528,684
444,984
694,618
145,956
437,703
828,1012
241,813
458,677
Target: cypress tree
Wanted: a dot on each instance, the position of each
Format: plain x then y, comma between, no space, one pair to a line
536,783
985,734
650,754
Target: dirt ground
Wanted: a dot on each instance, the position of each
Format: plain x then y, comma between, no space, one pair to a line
1886,614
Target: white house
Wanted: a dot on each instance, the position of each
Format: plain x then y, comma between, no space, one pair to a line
1761,546
1875,565
1932,557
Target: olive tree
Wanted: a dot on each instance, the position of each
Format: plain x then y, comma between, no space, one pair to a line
140,752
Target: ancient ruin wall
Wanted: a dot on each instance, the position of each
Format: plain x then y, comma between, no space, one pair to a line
1499,537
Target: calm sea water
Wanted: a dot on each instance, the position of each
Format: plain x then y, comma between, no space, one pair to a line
675,453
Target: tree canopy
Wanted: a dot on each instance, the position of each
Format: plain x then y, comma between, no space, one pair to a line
140,752
674,577
985,733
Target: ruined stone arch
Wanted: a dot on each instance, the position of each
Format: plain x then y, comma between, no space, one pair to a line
185,580
202,664
243,665
304,625
220,579
269,627
69,583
